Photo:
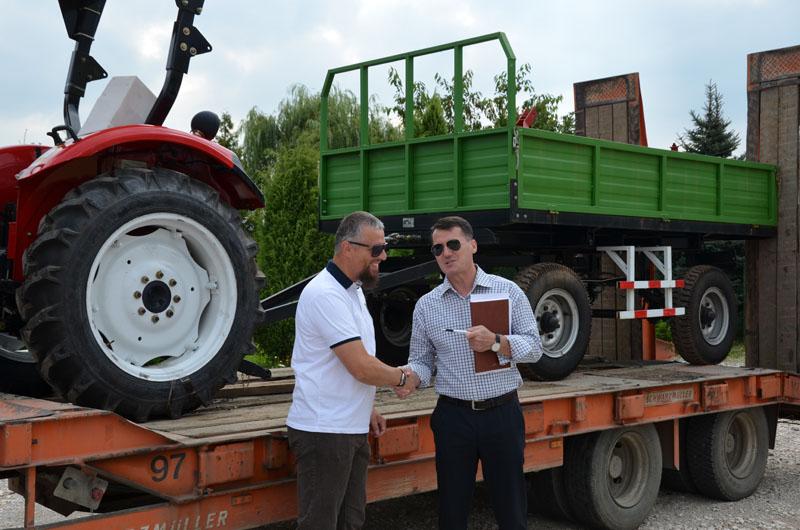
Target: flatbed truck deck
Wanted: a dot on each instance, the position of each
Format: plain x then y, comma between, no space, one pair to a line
229,466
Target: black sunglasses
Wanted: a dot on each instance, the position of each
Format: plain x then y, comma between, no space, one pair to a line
438,248
374,250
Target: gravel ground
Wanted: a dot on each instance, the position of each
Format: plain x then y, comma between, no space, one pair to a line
776,503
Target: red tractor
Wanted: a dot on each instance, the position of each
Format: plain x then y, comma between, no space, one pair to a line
128,281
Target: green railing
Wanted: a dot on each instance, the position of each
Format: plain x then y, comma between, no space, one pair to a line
364,146
408,58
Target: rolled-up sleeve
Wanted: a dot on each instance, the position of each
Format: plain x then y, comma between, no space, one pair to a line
421,354
525,342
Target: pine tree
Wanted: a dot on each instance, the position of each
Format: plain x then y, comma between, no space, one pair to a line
710,135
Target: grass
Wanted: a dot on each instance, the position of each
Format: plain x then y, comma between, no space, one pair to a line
736,357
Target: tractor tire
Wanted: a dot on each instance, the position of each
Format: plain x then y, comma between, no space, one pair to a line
613,476
561,306
727,452
140,294
705,334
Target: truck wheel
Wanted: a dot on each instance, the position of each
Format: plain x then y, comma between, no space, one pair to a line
392,315
727,453
547,494
705,334
141,294
561,306
613,476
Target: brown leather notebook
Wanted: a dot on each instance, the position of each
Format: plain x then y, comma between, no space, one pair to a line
492,311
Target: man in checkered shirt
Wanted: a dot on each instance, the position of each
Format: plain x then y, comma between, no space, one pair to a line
477,416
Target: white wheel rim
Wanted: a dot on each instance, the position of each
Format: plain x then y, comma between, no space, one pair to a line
563,308
161,296
715,331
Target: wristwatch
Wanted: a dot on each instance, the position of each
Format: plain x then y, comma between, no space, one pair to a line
496,345
402,378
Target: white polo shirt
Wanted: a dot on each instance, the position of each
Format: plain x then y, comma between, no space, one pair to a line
331,311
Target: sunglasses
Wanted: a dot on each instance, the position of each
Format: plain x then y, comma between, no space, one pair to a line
438,248
374,250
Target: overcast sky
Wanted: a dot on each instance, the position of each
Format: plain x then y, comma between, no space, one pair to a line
262,47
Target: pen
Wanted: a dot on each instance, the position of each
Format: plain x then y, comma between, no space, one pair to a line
462,331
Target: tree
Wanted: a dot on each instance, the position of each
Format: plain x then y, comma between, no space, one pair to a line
710,134
228,136
479,111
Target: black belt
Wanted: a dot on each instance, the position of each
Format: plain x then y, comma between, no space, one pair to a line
485,404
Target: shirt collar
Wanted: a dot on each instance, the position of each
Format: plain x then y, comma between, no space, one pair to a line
337,273
481,278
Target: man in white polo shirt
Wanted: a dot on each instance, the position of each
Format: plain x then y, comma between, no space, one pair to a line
336,373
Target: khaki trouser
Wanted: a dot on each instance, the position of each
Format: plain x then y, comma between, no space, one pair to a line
331,479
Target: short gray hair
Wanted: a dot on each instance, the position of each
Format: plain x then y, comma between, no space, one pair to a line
350,227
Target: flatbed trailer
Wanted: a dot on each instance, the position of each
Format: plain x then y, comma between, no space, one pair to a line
229,465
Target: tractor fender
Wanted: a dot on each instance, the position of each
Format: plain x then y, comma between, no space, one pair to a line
45,182
226,174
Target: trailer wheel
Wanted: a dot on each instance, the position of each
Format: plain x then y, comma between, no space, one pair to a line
548,495
705,334
613,476
563,313
392,315
727,453
141,294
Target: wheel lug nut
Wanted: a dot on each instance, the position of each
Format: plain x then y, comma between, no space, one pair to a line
145,279
172,283
176,298
154,319
159,275
137,294
169,313
142,311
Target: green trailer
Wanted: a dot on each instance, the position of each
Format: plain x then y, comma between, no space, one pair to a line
542,202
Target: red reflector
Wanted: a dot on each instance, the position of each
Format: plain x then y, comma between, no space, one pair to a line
653,284
679,283
669,312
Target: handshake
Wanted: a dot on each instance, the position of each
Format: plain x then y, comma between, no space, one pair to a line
411,383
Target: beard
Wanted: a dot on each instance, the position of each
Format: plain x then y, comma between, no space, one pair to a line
367,279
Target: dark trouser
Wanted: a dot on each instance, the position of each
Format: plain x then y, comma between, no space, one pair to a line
331,479
496,437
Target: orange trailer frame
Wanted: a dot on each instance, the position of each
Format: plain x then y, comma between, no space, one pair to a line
229,466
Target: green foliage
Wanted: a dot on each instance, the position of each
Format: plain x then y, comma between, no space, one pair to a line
479,111
710,134
228,136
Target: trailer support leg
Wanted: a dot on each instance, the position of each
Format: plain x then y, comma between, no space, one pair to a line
30,497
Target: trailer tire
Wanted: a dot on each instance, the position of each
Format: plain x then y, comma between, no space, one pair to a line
727,452
561,306
392,316
706,333
94,284
547,494
613,476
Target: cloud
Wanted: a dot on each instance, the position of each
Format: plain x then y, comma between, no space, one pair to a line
153,41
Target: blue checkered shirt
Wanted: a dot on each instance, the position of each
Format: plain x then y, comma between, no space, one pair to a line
448,355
